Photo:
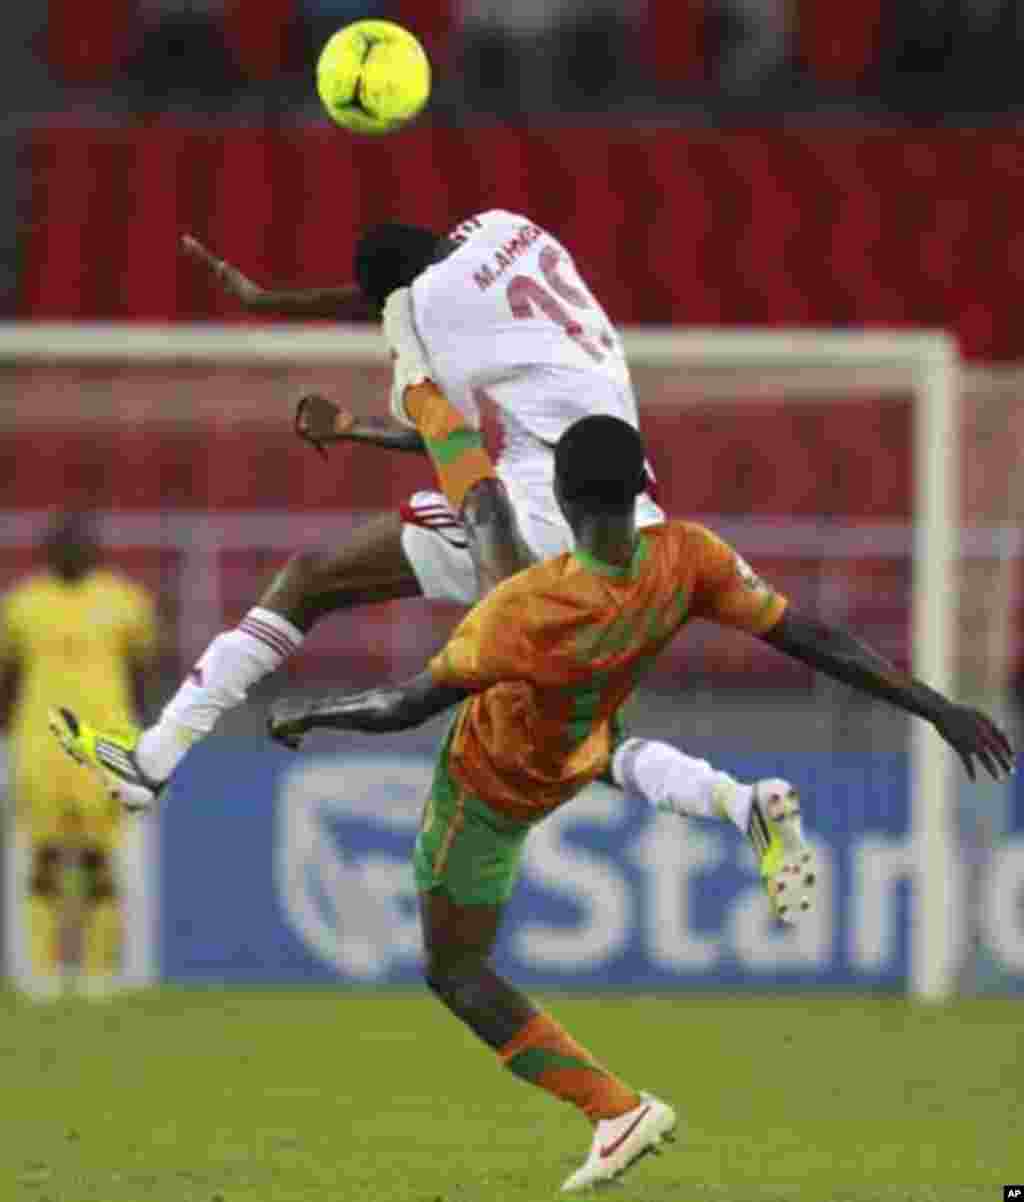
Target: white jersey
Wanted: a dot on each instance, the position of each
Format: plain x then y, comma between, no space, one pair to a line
506,317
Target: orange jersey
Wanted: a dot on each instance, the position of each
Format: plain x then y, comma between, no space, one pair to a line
553,652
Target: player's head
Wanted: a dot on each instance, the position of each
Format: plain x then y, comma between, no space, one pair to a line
599,467
391,256
72,548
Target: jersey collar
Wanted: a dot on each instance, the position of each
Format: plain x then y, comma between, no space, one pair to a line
593,564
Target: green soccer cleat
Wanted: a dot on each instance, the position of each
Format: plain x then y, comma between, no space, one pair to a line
785,859
110,755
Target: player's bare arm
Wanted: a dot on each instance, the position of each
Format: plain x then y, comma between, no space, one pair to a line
320,422
836,653
492,532
341,303
493,535
381,710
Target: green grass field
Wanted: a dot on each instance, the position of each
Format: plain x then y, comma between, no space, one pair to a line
218,1096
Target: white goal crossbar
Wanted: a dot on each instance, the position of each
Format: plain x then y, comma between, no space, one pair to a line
922,366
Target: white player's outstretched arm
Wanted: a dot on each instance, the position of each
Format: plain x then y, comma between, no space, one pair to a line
344,302
320,421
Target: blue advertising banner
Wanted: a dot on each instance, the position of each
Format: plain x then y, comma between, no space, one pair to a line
295,868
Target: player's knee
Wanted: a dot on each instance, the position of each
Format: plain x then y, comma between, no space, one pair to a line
45,876
296,590
311,584
304,574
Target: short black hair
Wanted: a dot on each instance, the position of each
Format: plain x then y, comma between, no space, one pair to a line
391,256
71,544
600,461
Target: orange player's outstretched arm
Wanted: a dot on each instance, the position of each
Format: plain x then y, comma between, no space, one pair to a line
469,482
837,653
344,302
467,477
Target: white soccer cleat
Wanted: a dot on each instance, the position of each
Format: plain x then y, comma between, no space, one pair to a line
785,859
621,1142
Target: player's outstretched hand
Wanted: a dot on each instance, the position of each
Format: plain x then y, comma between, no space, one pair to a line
230,278
974,736
319,421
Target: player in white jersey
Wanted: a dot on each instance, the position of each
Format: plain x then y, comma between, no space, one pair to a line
506,316
501,312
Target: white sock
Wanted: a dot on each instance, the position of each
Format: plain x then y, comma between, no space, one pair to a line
678,784
227,670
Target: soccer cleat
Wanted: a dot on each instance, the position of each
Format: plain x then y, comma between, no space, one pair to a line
785,858
621,1142
110,755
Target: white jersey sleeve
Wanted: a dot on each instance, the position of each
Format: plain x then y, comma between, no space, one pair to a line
507,316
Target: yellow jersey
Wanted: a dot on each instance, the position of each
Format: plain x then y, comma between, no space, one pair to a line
75,644
553,652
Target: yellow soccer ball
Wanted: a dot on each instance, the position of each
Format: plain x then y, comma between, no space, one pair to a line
373,77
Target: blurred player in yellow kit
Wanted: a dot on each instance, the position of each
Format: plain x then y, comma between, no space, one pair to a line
74,629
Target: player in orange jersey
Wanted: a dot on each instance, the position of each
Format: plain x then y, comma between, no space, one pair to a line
538,670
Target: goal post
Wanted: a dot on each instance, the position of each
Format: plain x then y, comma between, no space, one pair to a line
925,366
922,366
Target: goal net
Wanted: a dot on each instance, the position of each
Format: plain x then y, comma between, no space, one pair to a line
846,466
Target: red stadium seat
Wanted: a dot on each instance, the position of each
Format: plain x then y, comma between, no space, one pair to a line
674,218
839,42
328,182
53,256
161,169
86,43
868,229
499,163
866,242
248,168
263,38
433,22
768,243
676,41
82,199
432,162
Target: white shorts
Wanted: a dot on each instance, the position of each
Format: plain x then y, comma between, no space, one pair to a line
435,544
